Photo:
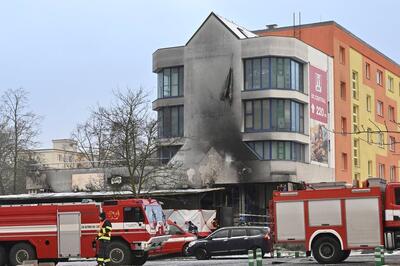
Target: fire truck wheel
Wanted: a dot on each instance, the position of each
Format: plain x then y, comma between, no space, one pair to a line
326,249
201,254
3,253
21,252
119,253
140,258
345,255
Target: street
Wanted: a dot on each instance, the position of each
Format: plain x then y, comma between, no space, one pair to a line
356,259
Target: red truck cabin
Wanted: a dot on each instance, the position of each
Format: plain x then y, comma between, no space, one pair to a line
353,216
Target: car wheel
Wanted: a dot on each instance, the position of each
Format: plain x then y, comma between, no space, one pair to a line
326,250
21,252
201,254
119,253
185,252
3,259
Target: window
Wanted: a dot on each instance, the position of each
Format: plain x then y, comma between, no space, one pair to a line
343,90
369,168
381,170
221,234
354,85
369,103
344,161
391,113
255,232
342,55
174,230
367,70
170,122
390,85
379,77
273,115
379,108
369,135
133,214
355,118
278,150
392,143
238,232
356,155
170,82
343,125
392,173
273,73
165,153
380,139
397,195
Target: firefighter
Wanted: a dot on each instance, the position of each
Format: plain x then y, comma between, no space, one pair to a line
104,237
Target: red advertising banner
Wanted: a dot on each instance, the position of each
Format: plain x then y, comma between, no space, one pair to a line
318,95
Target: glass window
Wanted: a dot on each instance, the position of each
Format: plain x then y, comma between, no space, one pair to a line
221,234
170,121
273,73
287,73
265,73
265,114
257,114
255,232
397,195
238,232
278,150
259,149
170,82
256,73
167,152
248,75
174,230
154,213
133,214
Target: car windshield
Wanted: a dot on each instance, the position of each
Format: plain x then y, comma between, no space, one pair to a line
154,213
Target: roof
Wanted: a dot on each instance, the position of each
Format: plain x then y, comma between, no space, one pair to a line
239,31
330,22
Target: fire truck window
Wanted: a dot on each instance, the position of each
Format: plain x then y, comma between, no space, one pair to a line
134,215
173,230
397,195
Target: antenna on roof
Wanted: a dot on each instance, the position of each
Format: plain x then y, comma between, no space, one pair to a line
300,25
294,24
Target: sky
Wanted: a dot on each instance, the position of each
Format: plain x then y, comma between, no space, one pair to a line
69,55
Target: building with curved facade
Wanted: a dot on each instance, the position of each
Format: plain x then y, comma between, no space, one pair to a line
246,112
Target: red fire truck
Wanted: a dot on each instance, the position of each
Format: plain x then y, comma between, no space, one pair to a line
58,231
332,221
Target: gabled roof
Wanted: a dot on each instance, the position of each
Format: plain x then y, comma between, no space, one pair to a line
239,31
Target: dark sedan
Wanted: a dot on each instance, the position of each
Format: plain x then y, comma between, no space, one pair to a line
231,241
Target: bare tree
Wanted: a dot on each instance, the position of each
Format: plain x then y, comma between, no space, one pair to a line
5,156
93,140
22,125
133,135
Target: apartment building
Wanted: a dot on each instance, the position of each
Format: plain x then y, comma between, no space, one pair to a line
366,98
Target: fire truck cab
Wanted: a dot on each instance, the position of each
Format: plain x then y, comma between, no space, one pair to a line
59,231
332,221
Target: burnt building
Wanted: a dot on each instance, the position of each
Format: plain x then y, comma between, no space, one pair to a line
245,112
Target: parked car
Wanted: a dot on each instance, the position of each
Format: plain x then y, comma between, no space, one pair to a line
177,243
231,241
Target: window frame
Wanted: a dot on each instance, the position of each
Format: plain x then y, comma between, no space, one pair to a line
164,117
161,83
288,64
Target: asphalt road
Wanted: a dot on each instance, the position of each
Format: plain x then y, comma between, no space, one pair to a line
353,260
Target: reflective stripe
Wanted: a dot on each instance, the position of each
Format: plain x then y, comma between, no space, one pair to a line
105,238
107,260
100,259
109,228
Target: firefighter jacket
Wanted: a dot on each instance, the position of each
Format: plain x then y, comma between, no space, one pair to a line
105,229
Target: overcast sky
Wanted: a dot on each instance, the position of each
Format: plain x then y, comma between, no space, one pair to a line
69,55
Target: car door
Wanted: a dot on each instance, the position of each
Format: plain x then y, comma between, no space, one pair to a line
237,243
175,242
217,242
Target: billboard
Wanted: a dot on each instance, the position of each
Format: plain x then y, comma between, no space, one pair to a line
319,135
